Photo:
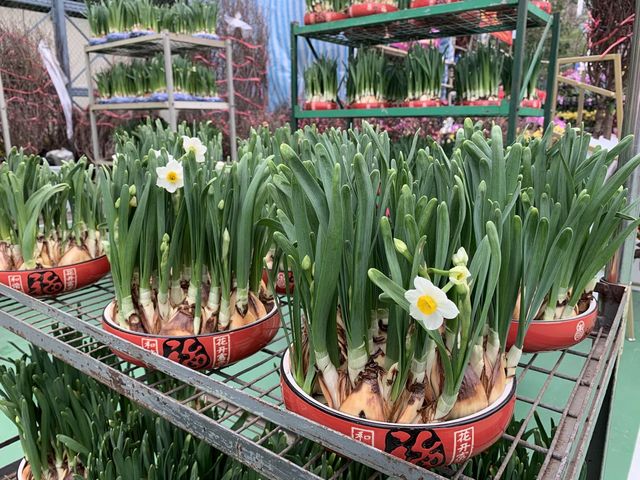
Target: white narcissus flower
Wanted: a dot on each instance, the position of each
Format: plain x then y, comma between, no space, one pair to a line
157,153
429,305
458,275
220,166
460,257
171,176
195,146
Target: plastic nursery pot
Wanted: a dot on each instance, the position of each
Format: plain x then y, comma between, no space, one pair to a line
320,105
56,280
199,352
280,286
368,105
422,103
370,8
549,335
426,445
311,18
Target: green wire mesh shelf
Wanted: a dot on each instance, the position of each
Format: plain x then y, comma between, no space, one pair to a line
446,20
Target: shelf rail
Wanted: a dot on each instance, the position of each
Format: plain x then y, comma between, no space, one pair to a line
69,328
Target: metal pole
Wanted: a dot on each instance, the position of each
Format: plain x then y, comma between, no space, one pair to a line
518,61
168,69
60,36
231,94
4,121
92,114
552,73
619,269
294,76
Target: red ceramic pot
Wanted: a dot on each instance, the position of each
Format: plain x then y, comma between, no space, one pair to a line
427,445
422,103
370,8
311,18
423,3
549,335
320,105
56,280
368,105
531,103
482,103
544,6
199,352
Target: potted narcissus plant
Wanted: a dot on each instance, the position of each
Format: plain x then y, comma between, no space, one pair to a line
369,80
478,76
390,339
568,184
321,84
425,70
51,225
187,250
321,11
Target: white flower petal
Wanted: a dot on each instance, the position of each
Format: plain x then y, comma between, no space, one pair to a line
448,309
422,284
412,296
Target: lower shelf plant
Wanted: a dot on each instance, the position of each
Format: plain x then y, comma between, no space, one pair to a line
145,81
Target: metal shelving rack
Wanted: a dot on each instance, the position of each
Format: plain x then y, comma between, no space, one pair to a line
468,17
69,328
168,44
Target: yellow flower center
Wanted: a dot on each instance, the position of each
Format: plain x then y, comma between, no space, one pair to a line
191,149
172,177
460,276
427,304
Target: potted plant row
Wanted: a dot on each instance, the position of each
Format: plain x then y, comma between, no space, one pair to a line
187,249
112,20
145,81
424,67
51,225
320,11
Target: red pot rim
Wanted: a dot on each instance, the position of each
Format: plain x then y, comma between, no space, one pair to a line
503,399
114,325
592,306
35,270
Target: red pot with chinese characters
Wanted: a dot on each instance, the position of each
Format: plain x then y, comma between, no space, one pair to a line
531,103
199,352
542,5
311,18
317,105
370,8
368,105
56,280
482,103
549,335
428,445
422,103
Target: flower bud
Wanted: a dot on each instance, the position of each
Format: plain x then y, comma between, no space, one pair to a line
306,262
460,257
458,275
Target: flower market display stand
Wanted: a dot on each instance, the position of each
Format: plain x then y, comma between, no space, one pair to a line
439,21
573,387
168,44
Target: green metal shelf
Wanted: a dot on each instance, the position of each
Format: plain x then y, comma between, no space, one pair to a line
468,17
446,20
446,111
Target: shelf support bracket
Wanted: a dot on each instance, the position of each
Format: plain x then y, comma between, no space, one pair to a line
518,61
552,72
